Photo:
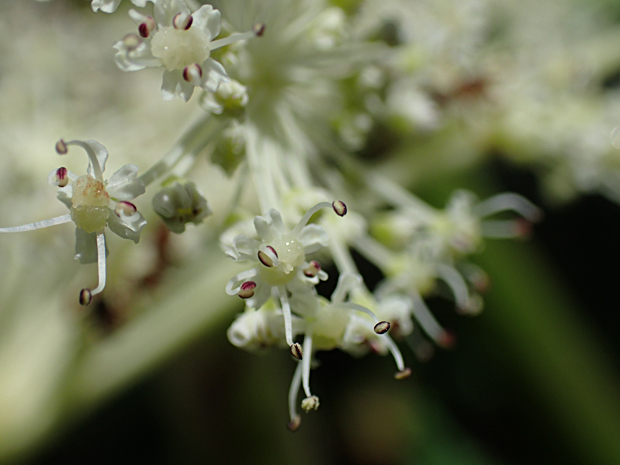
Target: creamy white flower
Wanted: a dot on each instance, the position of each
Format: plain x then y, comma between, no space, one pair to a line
94,203
181,42
110,6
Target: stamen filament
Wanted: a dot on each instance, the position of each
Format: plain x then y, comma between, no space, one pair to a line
292,393
240,278
428,322
362,309
231,39
101,264
286,311
456,283
509,201
306,362
395,351
92,157
304,220
39,224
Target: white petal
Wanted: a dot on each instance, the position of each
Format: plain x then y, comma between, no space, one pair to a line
86,246
135,58
213,74
313,237
127,226
269,226
140,3
262,292
173,84
164,11
107,6
123,184
207,19
93,147
65,194
243,248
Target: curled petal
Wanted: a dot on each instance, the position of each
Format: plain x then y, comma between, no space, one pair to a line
165,11
134,53
107,6
65,194
123,184
269,226
243,248
208,19
313,237
127,226
173,84
213,74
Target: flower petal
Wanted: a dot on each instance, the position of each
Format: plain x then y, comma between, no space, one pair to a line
93,147
208,19
127,226
164,11
107,6
213,74
123,184
65,194
313,237
243,248
269,226
134,53
173,84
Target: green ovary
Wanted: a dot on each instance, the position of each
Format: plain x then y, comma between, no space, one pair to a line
178,49
90,204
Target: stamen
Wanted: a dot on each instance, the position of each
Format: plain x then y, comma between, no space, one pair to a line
61,147
456,283
292,399
132,42
509,201
304,220
306,364
147,27
39,224
429,324
125,208
101,265
247,289
296,351
310,403
339,207
231,39
382,327
62,178
406,373
288,323
258,29
240,278
507,229
268,258
398,357
312,269
92,156
85,297
182,21
192,73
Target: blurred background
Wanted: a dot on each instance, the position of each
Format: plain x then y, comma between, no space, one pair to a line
148,376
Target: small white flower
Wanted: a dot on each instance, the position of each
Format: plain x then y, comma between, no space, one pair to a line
181,42
280,256
110,6
94,203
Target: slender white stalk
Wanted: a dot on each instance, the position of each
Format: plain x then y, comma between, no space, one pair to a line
92,157
427,321
362,309
394,194
231,39
39,224
286,311
239,279
342,258
395,351
101,264
456,283
509,201
293,391
306,362
304,220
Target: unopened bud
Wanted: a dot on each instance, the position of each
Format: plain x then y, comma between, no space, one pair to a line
406,373
247,289
179,203
382,327
85,297
339,207
296,351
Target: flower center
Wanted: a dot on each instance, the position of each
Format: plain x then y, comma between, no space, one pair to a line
290,255
177,48
90,202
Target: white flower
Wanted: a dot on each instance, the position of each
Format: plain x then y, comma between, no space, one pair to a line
110,6
94,203
181,42
280,256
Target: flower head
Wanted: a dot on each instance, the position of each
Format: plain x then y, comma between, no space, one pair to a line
94,203
181,42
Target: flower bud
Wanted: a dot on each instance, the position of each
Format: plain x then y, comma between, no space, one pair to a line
179,203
